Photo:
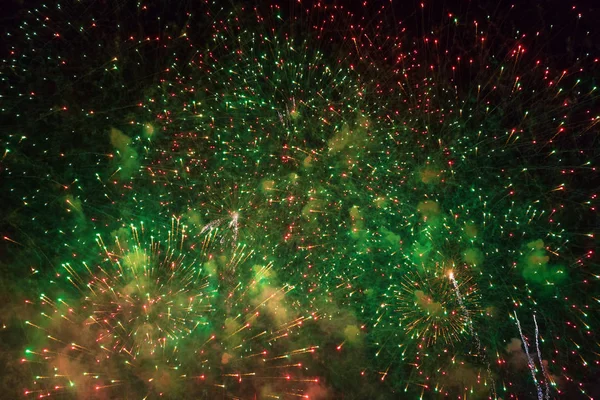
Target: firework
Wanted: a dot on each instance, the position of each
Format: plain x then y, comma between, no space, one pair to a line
124,313
432,308
373,196
143,322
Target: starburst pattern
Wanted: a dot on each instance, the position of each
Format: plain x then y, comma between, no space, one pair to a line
380,200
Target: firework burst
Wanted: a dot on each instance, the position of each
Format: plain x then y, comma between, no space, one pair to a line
377,196
431,308
123,315
144,321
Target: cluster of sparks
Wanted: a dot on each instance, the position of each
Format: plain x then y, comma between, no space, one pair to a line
299,201
143,324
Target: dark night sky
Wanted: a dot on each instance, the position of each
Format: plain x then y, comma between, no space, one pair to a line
565,46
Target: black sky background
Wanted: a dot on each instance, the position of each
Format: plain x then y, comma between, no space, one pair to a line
569,41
